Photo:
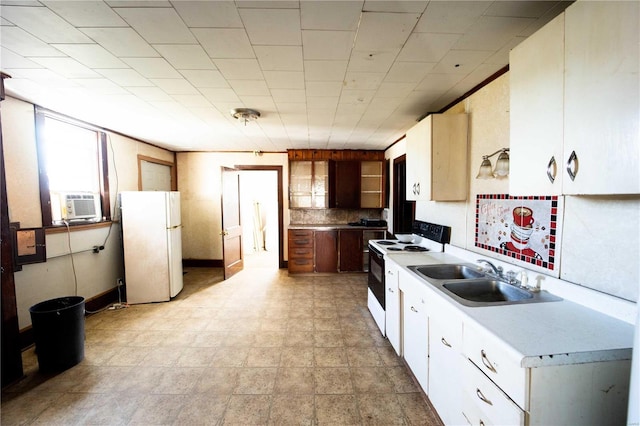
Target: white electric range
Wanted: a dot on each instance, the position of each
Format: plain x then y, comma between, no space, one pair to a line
427,237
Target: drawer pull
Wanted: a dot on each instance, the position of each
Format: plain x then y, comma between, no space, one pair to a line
414,309
482,397
301,242
486,361
444,342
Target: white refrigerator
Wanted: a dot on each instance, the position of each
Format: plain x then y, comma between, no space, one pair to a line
152,240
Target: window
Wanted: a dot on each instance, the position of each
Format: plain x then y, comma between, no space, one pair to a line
72,158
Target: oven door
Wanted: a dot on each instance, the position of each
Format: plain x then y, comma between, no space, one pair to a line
376,275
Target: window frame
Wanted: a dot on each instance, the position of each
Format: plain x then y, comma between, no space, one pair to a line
103,167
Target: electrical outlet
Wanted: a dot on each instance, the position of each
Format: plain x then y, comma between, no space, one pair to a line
119,282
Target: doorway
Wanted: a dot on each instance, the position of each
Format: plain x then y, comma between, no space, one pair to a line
261,216
403,210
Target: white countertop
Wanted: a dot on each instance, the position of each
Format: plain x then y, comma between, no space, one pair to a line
540,334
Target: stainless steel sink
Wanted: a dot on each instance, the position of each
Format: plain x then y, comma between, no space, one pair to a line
469,286
487,291
448,271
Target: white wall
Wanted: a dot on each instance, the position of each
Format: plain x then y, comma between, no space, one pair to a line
199,181
600,244
96,273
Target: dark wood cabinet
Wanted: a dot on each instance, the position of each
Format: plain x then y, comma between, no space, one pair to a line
300,251
344,184
351,251
326,248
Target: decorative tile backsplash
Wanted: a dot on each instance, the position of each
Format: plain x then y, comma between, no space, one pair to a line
524,228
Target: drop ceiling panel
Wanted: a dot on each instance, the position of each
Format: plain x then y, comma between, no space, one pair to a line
174,86
239,69
122,42
181,56
9,60
91,55
284,79
205,78
150,93
67,67
385,31
331,45
272,26
391,90
125,77
408,72
412,6
279,58
250,87
217,14
44,24
427,47
21,42
324,70
323,88
86,13
491,32
224,42
511,8
451,16
288,95
372,61
330,15
461,61
363,80
152,67
157,25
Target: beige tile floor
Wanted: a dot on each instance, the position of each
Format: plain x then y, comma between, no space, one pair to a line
260,348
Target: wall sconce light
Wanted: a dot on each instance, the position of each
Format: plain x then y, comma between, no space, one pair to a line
245,114
502,166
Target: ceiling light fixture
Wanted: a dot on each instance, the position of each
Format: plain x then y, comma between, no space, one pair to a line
245,114
502,166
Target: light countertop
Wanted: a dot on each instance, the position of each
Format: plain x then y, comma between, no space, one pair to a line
539,334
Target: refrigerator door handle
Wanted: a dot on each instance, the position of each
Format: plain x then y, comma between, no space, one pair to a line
175,227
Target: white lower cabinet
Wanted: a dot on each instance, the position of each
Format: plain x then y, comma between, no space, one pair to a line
392,306
499,391
415,326
445,361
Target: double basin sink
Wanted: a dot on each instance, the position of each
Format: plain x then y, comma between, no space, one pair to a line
470,286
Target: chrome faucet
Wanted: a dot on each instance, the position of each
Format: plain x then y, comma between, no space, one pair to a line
496,270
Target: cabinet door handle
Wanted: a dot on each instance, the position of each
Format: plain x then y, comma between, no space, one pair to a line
444,342
414,189
414,309
486,361
418,188
482,397
572,165
552,166
390,291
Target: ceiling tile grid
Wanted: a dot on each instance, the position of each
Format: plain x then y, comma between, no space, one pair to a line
324,74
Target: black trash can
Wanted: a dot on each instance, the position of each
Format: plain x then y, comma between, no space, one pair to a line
58,332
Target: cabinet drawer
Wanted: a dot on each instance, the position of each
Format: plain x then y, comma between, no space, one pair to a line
300,252
496,359
483,403
300,265
301,241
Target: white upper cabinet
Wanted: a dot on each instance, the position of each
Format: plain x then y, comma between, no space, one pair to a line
437,158
602,108
536,112
575,102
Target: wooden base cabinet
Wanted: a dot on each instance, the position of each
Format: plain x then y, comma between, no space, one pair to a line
301,251
326,251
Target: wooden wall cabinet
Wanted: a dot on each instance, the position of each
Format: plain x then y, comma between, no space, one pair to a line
344,184
308,184
349,179
437,159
